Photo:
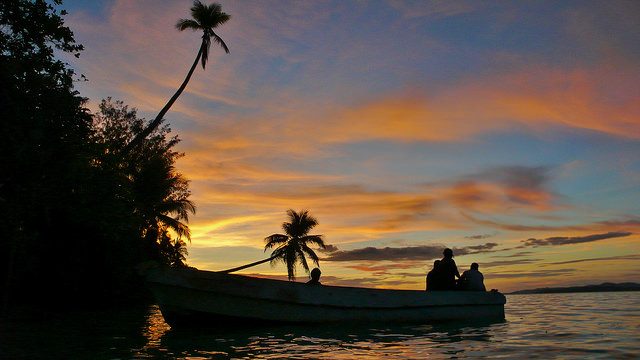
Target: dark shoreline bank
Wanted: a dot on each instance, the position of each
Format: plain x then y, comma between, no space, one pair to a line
604,287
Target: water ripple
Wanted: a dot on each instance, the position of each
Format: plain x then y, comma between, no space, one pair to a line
563,326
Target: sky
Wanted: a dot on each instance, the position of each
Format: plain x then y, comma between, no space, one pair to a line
508,131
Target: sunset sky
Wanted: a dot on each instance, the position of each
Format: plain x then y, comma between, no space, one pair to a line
508,131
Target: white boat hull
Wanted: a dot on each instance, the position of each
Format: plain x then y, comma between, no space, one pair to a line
193,296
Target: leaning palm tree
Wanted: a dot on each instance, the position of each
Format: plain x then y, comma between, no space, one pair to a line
293,246
205,18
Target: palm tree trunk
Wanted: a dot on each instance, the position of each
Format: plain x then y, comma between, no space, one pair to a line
246,266
154,124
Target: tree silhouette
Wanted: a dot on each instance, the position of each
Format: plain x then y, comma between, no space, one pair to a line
293,246
74,212
44,128
205,18
157,194
161,201
173,252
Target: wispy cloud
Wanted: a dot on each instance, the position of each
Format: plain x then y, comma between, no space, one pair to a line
609,258
344,205
384,269
404,253
329,249
532,274
515,255
630,224
565,240
510,262
479,236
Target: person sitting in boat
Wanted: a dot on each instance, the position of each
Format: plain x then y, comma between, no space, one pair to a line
315,277
433,277
472,279
449,270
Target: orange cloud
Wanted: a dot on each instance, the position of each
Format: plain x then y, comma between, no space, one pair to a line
603,98
353,212
600,97
626,225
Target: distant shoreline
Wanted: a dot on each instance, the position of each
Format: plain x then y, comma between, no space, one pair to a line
604,287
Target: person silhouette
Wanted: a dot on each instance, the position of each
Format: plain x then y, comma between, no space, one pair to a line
449,270
315,277
472,279
433,277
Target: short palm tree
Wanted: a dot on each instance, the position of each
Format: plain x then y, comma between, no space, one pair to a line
173,251
293,246
205,18
161,199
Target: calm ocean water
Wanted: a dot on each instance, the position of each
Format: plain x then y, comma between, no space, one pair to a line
554,326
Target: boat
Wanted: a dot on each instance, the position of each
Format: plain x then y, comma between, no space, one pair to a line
196,297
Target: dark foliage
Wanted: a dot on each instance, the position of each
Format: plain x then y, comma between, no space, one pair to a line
74,218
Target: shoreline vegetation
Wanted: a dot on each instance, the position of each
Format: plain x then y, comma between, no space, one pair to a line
604,287
78,214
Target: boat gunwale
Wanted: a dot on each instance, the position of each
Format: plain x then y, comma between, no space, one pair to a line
198,275
324,304
492,299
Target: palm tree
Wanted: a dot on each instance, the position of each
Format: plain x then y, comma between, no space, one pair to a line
161,195
173,251
161,199
293,246
204,18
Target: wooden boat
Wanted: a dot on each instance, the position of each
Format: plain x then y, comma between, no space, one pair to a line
189,296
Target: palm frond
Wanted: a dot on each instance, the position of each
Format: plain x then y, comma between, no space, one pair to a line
206,45
275,240
198,8
180,207
277,255
175,225
184,24
312,254
209,16
221,18
302,258
220,42
313,239
300,223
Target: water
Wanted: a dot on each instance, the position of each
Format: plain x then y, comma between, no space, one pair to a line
561,326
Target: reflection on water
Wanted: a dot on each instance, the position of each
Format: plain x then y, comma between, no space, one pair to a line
312,342
567,326
154,329
595,325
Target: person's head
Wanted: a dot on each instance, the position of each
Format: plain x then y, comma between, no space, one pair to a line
448,253
474,266
315,274
436,264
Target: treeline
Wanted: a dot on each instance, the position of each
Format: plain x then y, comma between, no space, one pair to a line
77,214
604,287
